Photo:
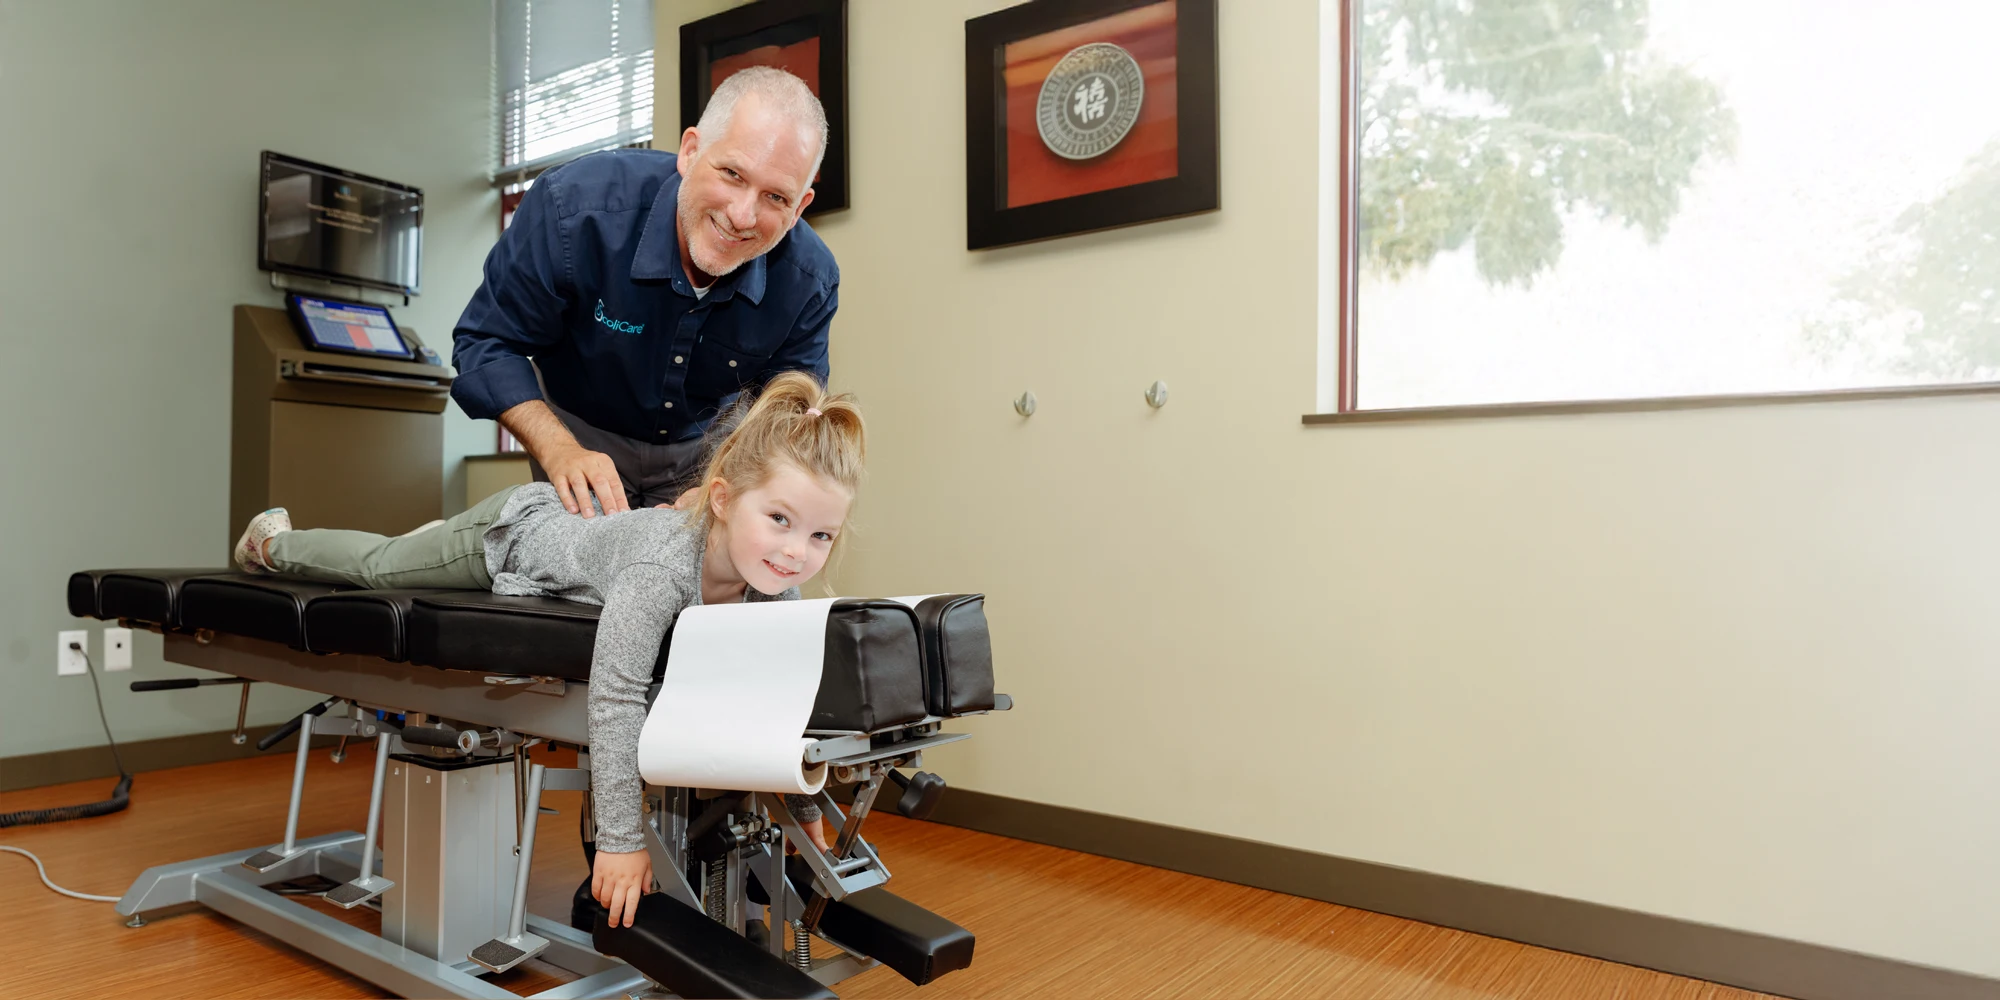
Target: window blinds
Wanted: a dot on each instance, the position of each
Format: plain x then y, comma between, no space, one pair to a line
570,77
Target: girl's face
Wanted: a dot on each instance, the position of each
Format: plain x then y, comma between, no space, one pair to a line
779,534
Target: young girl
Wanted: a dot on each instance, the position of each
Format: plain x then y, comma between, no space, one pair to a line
770,505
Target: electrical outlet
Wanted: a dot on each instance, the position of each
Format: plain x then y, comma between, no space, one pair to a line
70,661
117,649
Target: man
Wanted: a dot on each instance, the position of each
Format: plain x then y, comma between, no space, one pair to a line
650,289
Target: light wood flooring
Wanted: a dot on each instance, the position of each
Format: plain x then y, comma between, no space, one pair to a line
1049,921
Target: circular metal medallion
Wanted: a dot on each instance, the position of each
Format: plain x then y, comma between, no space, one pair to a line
1090,101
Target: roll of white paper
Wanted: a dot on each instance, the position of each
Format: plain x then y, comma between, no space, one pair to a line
739,688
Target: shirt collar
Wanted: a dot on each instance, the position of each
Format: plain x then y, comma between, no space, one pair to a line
658,255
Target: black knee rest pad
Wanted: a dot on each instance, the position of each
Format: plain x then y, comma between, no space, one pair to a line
958,654
872,675
363,622
691,955
918,944
146,595
257,607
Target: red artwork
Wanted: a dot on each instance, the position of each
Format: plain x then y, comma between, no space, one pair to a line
801,59
1150,152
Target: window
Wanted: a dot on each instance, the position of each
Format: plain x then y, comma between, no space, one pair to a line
571,77
1561,200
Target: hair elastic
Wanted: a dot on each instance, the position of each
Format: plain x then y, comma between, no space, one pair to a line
812,412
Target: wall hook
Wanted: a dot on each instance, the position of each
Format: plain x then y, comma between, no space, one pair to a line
1025,404
1156,395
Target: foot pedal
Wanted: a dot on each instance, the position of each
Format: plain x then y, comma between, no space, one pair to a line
267,859
500,955
349,895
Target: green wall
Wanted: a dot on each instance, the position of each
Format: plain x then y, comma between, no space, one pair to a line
128,222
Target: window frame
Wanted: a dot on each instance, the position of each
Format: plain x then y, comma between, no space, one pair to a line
1338,297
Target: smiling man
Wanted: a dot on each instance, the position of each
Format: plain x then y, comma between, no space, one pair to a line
648,289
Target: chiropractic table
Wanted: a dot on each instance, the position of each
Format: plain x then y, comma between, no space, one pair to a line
453,688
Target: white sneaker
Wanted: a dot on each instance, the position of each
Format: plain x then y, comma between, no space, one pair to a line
249,552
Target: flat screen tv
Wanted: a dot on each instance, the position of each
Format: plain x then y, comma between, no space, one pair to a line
337,225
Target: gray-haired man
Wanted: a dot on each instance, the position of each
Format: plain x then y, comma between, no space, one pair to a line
649,288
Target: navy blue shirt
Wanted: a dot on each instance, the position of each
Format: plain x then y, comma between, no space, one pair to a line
588,282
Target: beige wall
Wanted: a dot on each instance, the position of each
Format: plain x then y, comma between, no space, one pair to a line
1732,666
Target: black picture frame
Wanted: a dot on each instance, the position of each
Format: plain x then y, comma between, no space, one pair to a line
777,22
1194,188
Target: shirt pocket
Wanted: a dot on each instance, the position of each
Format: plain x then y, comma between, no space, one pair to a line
718,369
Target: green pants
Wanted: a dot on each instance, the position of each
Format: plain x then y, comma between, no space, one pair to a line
449,556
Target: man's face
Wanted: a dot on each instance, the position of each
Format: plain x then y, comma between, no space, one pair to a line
742,193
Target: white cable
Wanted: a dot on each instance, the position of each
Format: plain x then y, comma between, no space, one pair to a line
45,879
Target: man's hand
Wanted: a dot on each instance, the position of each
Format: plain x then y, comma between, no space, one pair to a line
573,470
618,880
577,472
682,502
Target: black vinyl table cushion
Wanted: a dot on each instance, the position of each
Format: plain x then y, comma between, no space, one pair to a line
146,595
363,622
260,607
881,668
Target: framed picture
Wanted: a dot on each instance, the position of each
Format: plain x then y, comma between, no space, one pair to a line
1088,114
806,38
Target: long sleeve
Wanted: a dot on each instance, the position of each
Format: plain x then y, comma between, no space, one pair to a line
517,309
806,349
640,605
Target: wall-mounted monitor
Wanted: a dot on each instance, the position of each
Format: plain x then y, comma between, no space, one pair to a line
336,225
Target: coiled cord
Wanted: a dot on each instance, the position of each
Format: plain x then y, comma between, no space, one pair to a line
120,796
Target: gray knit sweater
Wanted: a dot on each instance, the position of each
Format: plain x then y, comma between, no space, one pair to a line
643,567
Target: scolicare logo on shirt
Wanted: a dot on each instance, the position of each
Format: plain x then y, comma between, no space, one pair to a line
617,324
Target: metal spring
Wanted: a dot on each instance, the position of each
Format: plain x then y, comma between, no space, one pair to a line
802,945
718,888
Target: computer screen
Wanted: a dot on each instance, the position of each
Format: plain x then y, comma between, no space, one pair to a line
325,222
351,327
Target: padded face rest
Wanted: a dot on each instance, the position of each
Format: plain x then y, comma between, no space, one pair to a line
958,654
363,622
489,633
259,607
147,595
872,676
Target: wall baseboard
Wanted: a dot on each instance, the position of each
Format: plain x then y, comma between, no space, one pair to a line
59,767
1685,948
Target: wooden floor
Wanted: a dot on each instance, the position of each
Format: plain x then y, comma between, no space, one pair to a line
1049,921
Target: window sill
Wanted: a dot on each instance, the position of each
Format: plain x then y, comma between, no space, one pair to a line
1479,411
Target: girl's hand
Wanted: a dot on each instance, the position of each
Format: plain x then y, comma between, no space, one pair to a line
817,831
618,880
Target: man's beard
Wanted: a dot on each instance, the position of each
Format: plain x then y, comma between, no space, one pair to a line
712,267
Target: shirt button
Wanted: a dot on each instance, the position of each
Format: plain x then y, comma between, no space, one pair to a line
669,406
663,432
677,359
732,364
